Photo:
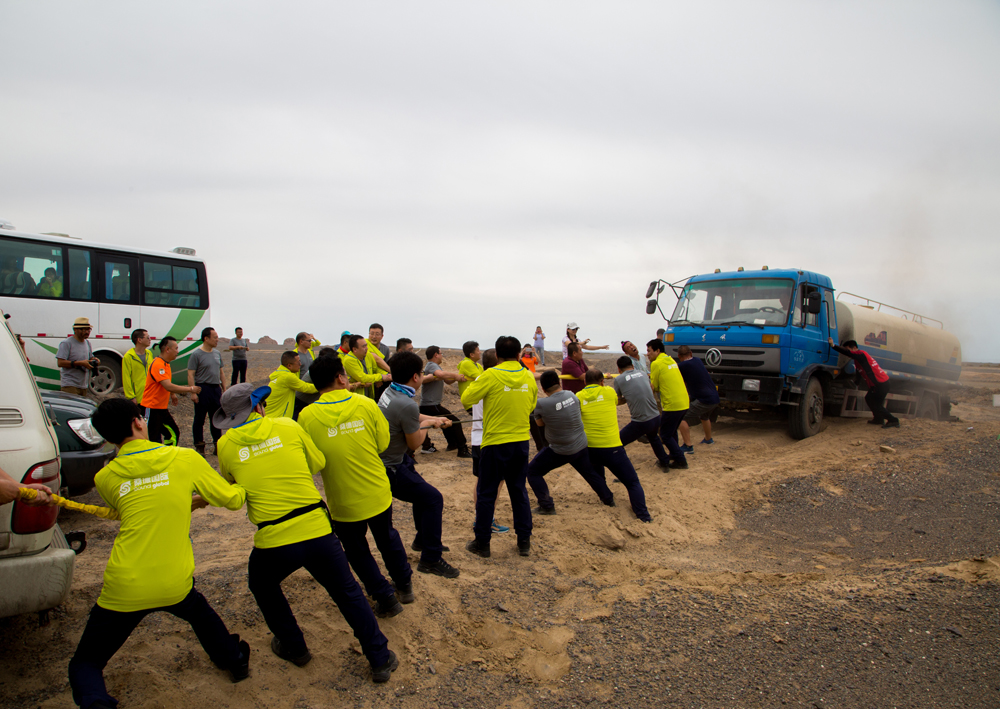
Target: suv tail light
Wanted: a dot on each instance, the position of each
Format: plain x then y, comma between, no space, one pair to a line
27,519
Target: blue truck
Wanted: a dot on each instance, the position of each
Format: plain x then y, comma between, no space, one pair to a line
763,336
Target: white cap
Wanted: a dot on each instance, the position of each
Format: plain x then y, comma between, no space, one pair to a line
572,326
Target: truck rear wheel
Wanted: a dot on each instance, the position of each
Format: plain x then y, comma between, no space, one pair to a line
806,419
928,407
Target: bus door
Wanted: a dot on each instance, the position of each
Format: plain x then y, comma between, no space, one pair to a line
118,295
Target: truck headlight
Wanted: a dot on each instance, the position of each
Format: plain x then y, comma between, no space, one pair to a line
86,432
751,385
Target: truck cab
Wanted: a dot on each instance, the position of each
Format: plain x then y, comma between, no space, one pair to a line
762,335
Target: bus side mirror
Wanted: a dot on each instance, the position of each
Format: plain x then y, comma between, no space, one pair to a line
649,291
814,303
650,306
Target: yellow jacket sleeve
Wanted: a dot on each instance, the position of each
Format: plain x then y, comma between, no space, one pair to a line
314,456
381,427
293,382
476,391
129,366
211,486
357,373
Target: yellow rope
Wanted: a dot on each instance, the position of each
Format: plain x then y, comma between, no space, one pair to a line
27,493
570,376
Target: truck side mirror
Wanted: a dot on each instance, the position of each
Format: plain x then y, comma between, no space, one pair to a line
652,287
814,303
650,306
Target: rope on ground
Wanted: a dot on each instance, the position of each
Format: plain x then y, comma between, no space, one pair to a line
28,494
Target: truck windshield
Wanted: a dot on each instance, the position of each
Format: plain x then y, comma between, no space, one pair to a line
755,301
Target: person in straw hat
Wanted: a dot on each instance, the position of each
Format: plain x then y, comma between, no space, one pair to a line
76,359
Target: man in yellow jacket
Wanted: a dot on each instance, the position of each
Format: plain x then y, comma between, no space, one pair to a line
671,392
284,382
363,366
152,564
509,393
135,366
274,460
470,367
350,430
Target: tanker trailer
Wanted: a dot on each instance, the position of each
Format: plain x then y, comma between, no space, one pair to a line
762,336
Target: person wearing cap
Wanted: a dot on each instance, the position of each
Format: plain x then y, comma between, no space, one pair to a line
350,430
274,460
160,392
672,397
633,388
154,489
599,411
76,359
639,361
407,429
571,330
284,383
363,366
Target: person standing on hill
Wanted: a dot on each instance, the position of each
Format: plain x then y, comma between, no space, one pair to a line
539,342
205,369
135,366
876,379
509,394
239,346
431,393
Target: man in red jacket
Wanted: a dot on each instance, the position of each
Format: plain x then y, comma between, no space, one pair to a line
877,380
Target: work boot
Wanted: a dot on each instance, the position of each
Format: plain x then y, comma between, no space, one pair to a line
679,464
241,669
405,592
382,673
438,568
200,447
524,547
388,607
299,660
891,424
478,549
610,502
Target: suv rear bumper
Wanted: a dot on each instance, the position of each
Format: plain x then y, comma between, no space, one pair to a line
37,582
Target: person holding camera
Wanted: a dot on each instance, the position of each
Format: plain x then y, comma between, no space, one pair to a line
76,359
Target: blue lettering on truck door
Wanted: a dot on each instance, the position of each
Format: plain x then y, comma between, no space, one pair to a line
808,333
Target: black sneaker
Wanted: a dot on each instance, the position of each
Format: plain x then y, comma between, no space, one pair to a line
679,465
241,670
478,549
420,547
388,607
610,502
524,547
464,453
405,592
384,672
875,422
299,660
439,568
891,424
544,510
643,439
432,449
663,466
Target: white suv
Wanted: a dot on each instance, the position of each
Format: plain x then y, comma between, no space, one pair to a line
36,562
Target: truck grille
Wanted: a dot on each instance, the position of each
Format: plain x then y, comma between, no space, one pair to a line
742,358
10,417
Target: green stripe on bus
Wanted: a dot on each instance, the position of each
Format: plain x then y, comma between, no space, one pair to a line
46,385
45,347
185,322
40,371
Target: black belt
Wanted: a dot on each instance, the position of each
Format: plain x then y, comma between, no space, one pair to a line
298,512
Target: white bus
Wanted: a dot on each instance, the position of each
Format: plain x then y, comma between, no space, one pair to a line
49,280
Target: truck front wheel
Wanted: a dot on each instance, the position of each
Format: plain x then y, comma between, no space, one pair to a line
806,419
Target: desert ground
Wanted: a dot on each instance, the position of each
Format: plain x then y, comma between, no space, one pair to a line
818,573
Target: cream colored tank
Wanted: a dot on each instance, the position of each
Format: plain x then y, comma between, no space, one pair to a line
903,348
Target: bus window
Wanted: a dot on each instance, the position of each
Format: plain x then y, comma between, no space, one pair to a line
171,285
79,274
117,282
29,269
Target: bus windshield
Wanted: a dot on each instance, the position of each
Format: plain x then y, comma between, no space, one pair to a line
754,301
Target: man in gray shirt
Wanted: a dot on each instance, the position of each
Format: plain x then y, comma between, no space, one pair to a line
559,413
634,388
239,346
205,370
405,434
76,359
430,402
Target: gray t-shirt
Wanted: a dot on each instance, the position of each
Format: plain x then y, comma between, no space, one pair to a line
634,387
75,351
239,342
403,415
206,366
384,350
563,422
432,391
306,360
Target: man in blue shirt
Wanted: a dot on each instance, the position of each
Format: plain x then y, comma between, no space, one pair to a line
703,394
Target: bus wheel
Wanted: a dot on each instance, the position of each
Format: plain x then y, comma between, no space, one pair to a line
806,419
107,377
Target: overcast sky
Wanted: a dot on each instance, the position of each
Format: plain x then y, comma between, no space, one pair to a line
463,170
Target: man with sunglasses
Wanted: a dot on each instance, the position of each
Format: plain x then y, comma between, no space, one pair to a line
76,359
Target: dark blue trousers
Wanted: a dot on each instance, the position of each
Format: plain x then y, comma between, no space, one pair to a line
504,462
547,460
650,429
616,460
325,560
669,421
354,537
108,630
428,507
